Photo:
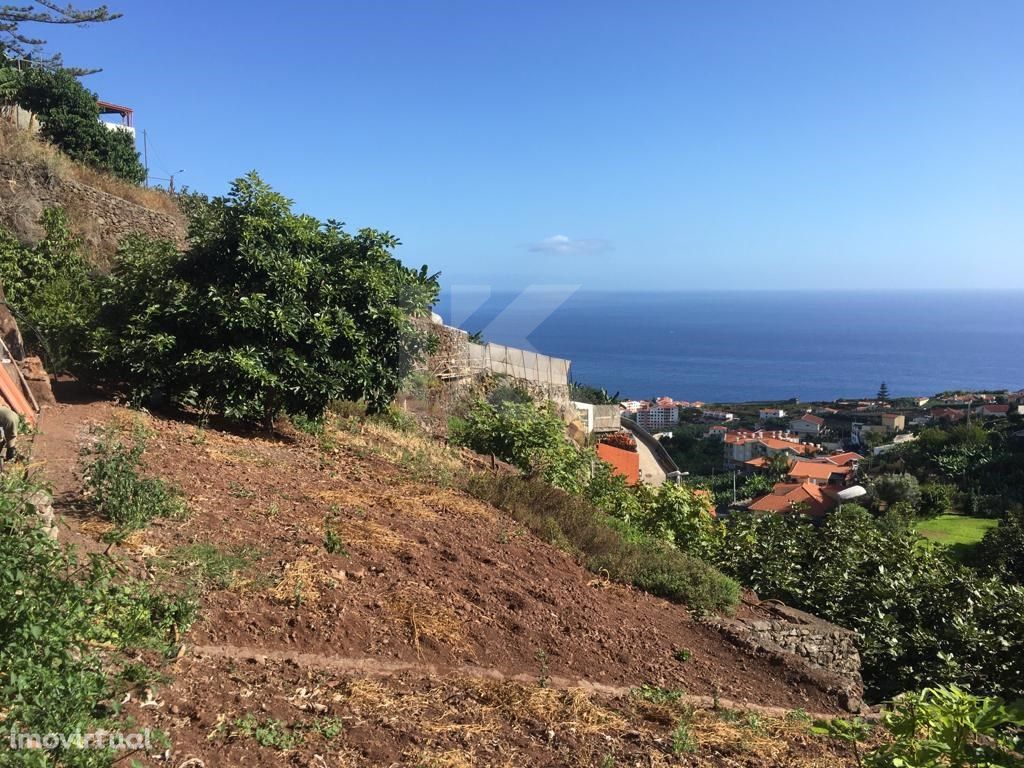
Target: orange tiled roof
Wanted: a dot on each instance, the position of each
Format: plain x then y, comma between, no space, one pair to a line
785,496
625,463
816,470
842,459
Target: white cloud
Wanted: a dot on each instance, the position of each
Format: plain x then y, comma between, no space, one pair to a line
566,245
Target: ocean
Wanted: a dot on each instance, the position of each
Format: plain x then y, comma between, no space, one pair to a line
734,346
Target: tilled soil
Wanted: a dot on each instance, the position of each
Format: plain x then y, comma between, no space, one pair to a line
427,586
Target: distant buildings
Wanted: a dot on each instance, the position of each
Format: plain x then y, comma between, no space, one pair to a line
889,424
717,415
741,446
993,410
767,414
807,425
655,416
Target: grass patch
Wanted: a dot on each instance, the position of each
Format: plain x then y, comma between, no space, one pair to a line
605,545
961,533
956,529
207,566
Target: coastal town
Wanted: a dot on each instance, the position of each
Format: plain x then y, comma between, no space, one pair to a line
812,452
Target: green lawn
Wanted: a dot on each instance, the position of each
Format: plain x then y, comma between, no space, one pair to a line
953,530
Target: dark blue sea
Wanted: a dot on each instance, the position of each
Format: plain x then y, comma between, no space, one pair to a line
722,346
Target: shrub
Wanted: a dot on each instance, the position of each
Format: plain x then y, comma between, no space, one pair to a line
119,492
887,490
948,726
51,289
924,620
936,499
607,545
266,312
69,118
1001,551
55,612
530,437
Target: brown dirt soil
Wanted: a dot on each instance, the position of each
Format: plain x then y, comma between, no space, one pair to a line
436,613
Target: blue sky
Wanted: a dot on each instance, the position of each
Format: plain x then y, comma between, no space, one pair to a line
668,145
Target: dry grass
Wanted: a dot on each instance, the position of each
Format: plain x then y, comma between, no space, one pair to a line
370,534
21,145
420,608
299,584
400,447
572,709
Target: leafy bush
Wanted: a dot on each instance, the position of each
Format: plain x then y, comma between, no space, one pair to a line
69,118
266,312
887,490
531,438
119,492
1001,551
924,619
950,727
607,545
51,289
936,499
55,611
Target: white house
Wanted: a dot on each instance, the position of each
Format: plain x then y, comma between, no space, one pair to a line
807,424
766,414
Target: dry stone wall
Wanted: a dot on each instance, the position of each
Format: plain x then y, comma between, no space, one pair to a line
820,645
101,219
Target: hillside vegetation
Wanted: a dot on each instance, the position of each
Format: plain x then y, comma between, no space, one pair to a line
280,565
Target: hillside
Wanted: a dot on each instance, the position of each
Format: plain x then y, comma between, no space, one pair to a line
439,633
101,209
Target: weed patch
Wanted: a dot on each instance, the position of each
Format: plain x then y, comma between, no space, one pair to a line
604,544
65,628
207,566
117,489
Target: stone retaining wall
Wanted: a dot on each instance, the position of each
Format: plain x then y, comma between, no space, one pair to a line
101,219
818,644
456,359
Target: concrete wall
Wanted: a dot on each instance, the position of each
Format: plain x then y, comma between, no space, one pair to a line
457,357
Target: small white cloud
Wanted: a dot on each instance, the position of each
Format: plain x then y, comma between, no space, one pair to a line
566,245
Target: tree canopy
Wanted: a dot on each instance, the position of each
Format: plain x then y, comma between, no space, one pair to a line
267,311
69,118
17,43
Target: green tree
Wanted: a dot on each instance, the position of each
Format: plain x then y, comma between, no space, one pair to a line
69,119
267,311
776,467
52,291
883,393
16,43
888,490
936,499
585,393
1001,551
